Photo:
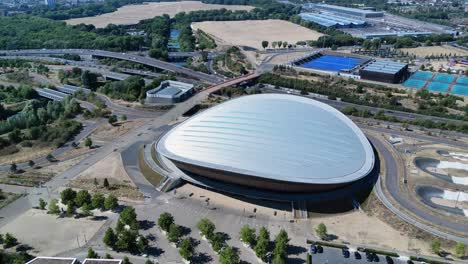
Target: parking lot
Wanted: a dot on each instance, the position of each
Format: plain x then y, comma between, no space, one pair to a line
335,256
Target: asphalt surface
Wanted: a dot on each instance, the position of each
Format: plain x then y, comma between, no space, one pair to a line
392,185
115,55
340,105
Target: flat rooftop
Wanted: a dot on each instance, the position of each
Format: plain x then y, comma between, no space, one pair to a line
169,89
52,260
331,20
102,261
390,67
342,8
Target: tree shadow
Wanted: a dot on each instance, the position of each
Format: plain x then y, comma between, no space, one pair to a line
295,261
23,248
151,237
155,251
224,236
202,258
99,218
296,250
331,237
244,262
185,230
146,224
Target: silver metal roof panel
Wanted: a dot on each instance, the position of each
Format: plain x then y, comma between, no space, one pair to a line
273,136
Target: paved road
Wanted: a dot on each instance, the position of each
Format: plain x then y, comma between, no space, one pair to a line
340,105
392,185
115,55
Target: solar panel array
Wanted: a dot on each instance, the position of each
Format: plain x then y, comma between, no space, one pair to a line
329,20
382,66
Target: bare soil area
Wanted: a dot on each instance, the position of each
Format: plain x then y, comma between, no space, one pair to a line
112,169
132,14
251,33
436,50
49,235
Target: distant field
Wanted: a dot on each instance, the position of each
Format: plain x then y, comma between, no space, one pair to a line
132,14
436,50
251,33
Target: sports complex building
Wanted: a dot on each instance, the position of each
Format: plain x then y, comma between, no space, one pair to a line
328,61
385,71
170,92
270,144
438,82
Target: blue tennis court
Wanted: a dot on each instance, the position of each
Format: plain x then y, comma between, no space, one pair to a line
421,75
437,86
460,89
413,83
445,78
332,63
462,80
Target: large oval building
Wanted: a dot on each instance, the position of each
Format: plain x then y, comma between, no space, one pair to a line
273,142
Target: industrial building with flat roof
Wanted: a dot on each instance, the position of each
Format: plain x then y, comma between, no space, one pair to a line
170,92
344,10
329,20
385,71
270,142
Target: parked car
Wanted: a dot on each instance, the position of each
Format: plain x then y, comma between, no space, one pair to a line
313,249
345,253
357,255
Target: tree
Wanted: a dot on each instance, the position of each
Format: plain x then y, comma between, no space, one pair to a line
105,184
98,201
128,217
127,240
273,44
13,168
175,233
186,249
165,221
263,242
88,78
9,241
247,235
82,197
108,256
280,251
88,142
70,209
86,209
308,257
112,119
142,244
321,231
68,196
460,249
435,246
148,261
110,238
206,227
111,202
42,204
31,163
53,207
92,254
50,158
125,260
123,117
264,44
217,242
228,256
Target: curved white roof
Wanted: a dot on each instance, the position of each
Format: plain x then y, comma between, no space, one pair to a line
273,136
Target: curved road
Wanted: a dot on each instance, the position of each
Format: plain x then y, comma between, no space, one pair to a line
391,183
116,55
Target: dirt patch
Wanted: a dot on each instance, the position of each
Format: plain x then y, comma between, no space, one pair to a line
436,51
25,154
132,14
49,234
251,33
108,132
112,169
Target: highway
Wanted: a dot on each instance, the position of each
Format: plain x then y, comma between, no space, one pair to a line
116,55
340,105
